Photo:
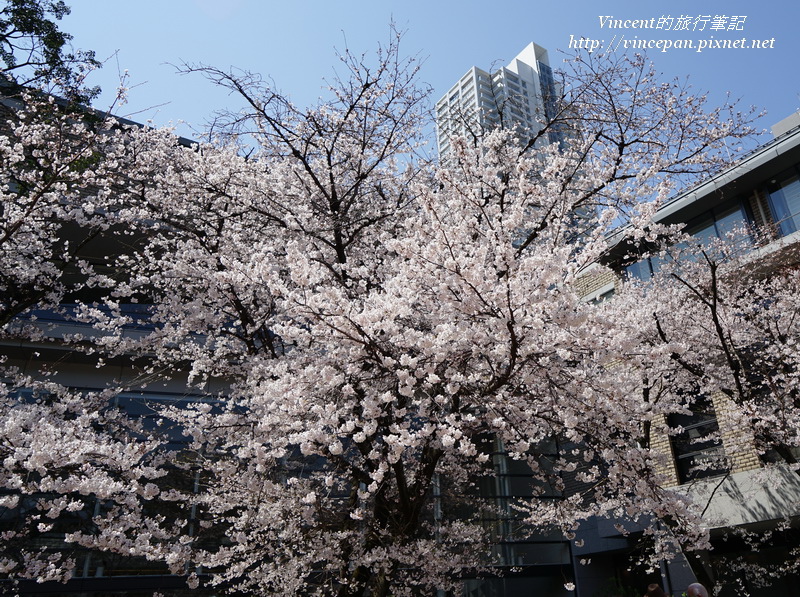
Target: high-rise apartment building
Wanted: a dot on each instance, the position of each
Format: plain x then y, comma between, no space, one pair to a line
520,95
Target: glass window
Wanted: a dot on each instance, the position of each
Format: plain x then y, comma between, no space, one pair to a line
639,270
697,446
603,296
784,197
730,219
721,222
703,229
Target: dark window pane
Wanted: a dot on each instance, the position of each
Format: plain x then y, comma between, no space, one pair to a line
697,447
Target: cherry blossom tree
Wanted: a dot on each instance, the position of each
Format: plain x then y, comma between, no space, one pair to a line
741,346
377,322
717,332
49,159
63,449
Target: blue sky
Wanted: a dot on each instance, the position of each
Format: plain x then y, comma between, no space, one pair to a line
294,43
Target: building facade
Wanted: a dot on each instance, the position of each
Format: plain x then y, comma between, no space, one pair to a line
756,204
518,96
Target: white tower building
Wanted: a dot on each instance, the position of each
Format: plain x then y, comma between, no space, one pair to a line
520,95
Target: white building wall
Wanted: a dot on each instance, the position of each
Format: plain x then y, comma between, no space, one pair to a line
512,97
